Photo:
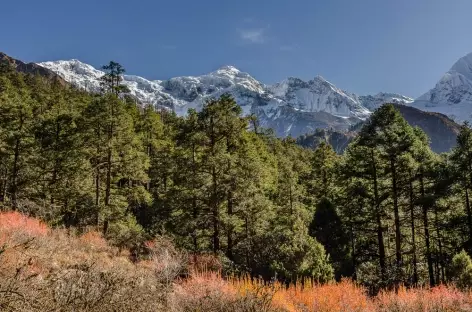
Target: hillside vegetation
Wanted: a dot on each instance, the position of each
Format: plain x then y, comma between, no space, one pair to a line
42,269
388,212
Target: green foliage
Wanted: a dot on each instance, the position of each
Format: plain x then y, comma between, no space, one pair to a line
461,270
298,255
388,211
125,233
329,230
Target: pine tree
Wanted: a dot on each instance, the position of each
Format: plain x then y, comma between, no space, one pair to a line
111,81
221,126
16,120
116,151
321,180
363,171
61,159
329,230
389,133
462,160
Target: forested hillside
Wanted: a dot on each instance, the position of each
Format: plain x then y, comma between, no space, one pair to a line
387,212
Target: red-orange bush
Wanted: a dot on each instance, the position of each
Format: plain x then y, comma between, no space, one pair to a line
94,240
87,266
345,296
15,221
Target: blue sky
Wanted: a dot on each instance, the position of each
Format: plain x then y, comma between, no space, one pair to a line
363,46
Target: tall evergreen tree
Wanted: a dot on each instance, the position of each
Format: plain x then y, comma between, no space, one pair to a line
17,112
389,133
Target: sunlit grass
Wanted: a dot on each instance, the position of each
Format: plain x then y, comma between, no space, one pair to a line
48,251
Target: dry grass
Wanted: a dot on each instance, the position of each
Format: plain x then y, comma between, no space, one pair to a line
442,298
50,270
345,296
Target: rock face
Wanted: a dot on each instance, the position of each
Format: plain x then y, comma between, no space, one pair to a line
291,107
31,68
452,95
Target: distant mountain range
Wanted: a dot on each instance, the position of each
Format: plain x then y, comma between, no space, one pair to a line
293,107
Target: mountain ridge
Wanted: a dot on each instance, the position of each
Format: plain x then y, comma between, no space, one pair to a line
291,107
30,68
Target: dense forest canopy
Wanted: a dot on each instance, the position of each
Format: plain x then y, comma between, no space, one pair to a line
387,211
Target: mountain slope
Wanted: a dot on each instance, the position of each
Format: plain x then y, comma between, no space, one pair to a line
291,107
452,95
373,102
441,130
31,68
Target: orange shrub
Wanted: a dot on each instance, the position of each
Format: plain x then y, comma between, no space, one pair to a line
343,296
15,226
94,240
15,221
61,259
441,298
200,285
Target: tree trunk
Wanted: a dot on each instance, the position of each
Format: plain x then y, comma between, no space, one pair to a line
378,219
109,164
469,213
97,195
14,179
214,196
353,246
108,179
216,215
3,192
440,268
230,228
56,162
413,234
398,242
427,238
194,202
229,252
148,182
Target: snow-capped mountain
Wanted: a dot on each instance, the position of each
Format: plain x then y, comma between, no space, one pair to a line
372,102
452,95
291,107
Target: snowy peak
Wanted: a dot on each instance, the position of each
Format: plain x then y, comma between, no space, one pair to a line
463,66
87,77
372,102
452,95
291,107
77,73
228,70
319,95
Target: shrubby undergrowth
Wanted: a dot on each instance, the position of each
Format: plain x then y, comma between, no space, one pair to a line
43,269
